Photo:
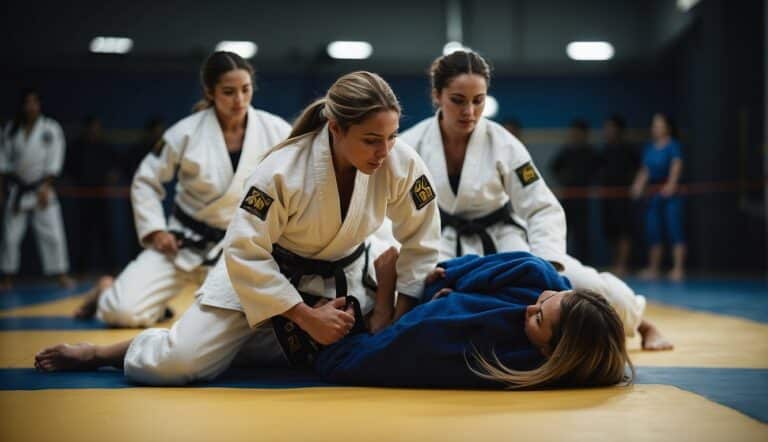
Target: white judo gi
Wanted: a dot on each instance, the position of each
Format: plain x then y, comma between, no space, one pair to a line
498,170
208,191
292,200
28,160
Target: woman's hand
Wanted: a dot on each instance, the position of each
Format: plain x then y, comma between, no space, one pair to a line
327,323
43,196
434,275
164,242
669,189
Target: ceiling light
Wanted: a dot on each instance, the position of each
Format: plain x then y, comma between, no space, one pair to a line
350,50
453,46
590,50
111,45
245,49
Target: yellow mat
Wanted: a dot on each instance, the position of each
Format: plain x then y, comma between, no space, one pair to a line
640,413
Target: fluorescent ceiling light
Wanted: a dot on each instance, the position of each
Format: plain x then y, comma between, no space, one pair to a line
111,45
491,107
590,50
686,5
245,49
350,50
453,46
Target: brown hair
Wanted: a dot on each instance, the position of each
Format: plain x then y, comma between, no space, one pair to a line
350,100
446,68
216,65
589,349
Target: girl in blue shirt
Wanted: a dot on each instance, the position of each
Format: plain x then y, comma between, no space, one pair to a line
661,168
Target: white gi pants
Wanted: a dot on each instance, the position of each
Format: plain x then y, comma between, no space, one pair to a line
49,233
140,293
629,305
200,346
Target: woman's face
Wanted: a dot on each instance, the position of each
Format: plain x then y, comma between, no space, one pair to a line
461,103
232,94
31,106
365,146
541,318
659,127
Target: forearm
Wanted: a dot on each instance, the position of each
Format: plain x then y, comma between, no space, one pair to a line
404,304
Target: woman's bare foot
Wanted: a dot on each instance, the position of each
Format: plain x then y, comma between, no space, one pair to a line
648,274
67,357
676,275
652,339
88,308
65,281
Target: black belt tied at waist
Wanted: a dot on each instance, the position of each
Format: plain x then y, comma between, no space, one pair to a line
298,345
478,226
209,235
22,188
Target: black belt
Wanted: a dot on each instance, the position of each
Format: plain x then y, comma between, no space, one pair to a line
478,226
21,189
298,345
208,235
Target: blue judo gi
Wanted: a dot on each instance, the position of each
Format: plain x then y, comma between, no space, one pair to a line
432,345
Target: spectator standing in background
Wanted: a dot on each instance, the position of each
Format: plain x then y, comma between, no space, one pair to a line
575,165
619,162
662,167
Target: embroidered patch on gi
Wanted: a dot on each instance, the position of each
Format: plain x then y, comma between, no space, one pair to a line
527,174
157,149
47,138
422,192
257,203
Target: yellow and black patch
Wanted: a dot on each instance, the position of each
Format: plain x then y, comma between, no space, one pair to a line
157,149
422,192
527,174
257,203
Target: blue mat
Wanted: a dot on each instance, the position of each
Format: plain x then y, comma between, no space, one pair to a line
745,299
37,294
745,390
50,323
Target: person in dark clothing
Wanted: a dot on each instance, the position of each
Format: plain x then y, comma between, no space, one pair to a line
619,161
91,166
575,166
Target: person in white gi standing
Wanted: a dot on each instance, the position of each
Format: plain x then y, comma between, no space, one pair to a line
491,195
31,158
298,238
211,153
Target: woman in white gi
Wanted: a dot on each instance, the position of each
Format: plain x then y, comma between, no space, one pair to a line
31,157
211,153
491,195
298,238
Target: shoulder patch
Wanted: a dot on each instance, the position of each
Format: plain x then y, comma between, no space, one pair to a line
527,174
257,203
157,149
422,192
47,138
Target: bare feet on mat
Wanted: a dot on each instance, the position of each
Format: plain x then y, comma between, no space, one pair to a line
652,339
88,308
648,274
67,357
676,275
66,281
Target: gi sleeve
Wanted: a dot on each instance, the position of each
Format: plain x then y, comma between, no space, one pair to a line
55,154
147,190
258,223
533,201
5,152
416,225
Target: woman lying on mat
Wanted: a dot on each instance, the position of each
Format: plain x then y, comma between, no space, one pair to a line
505,320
